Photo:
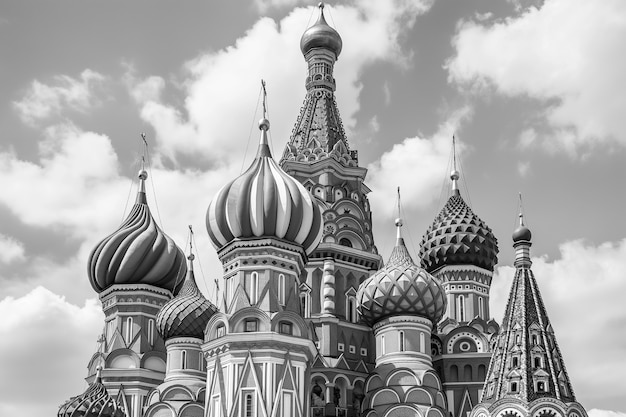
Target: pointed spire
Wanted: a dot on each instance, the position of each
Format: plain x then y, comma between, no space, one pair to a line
143,174
454,175
264,126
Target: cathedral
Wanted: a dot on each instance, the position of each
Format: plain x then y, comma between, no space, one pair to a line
311,321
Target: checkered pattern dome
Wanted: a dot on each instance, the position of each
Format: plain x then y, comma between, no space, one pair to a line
401,288
458,237
187,314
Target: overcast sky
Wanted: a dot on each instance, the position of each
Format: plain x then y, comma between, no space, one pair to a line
534,92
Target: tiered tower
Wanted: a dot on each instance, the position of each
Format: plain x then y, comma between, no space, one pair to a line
527,376
318,156
402,302
258,349
460,250
135,270
181,323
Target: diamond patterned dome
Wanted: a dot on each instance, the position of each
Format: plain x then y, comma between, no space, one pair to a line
188,313
458,237
401,287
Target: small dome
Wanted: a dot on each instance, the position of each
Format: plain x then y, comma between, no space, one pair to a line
137,253
458,237
321,35
94,402
401,288
522,233
265,201
188,313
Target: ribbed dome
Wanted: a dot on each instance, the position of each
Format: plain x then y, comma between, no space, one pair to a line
94,402
188,313
265,201
458,237
137,253
401,287
321,35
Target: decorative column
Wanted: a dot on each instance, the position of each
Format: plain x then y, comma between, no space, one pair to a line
328,282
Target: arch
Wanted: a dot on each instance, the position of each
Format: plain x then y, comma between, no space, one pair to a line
418,395
454,373
440,401
191,410
341,389
177,393
467,372
402,377
300,328
384,396
153,361
123,359
460,305
482,372
160,410
430,379
282,289
402,410
210,331
373,383
433,412
237,320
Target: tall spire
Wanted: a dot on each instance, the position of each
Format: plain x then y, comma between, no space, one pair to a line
399,222
143,174
527,368
454,175
264,126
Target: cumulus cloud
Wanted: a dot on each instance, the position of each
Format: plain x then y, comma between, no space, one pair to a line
44,338
42,100
11,249
595,412
566,54
221,88
583,292
416,165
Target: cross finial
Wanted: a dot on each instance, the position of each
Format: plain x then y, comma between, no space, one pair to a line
191,256
264,99
521,211
454,175
399,222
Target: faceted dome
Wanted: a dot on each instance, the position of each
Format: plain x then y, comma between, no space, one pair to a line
401,288
94,402
321,35
458,237
265,201
188,313
137,253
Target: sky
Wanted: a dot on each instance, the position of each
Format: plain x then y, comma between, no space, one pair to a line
533,92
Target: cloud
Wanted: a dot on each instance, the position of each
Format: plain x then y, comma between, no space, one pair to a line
221,88
416,165
42,101
595,412
583,292
44,338
566,54
11,250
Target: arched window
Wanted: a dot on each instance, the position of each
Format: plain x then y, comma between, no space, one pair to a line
514,362
401,341
129,329
281,289
422,343
254,288
351,314
481,308
541,386
305,304
221,330
248,404
151,332
513,386
183,359
537,362
345,242
461,308
382,344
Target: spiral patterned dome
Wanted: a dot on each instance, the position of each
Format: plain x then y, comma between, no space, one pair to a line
401,288
94,402
458,237
321,35
265,201
137,253
188,313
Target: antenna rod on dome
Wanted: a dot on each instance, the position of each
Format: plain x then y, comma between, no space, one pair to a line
264,99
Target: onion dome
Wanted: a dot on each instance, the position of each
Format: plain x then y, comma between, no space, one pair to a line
401,288
265,201
94,402
188,313
522,233
137,253
458,237
321,35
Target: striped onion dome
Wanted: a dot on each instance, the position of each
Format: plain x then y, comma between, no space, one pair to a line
265,201
137,253
94,402
401,288
458,237
188,313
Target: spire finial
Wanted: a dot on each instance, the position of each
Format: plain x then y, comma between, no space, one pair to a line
454,175
264,125
98,379
143,174
321,6
521,211
191,256
399,222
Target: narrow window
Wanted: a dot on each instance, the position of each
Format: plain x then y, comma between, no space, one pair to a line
461,307
422,343
305,298
541,387
534,339
216,410
201,361
401,341
286,327
287,404
248,404
281,289
537,362
183,359
254,288
382,344
129,329
351,314
481,308
151,332
221,330
515,362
